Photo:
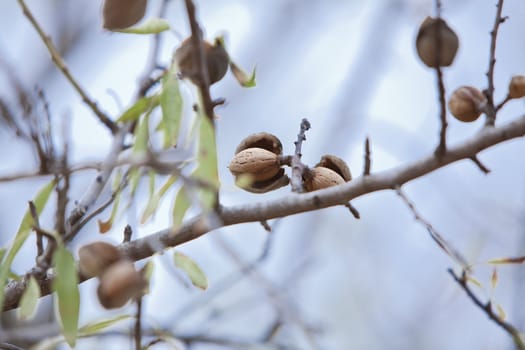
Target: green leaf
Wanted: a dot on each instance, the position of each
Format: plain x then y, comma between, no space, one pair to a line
171,105
513,260
142,136
154,200
2,254
150,26
65,285
141,106
23,232
147,272
194,272
180,206
134,179
105,226
207,158
29,300
242,77
96,327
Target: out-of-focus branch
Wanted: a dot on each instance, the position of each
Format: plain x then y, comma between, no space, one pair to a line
61,65
294,204
489,92
487,309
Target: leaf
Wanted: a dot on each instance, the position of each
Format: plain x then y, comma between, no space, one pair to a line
29,300
194,272
142,136
501,313
122,13
39,201
242,77
494,278
147,272
180,206
515,260
141,106
154,200
65,285
207,158
105,226
96,327
50,343
171,105
150,26
474,282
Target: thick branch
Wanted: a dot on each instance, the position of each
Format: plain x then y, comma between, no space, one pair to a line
299,203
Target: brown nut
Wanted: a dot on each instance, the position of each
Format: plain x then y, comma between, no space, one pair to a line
120,283
262,140
336,164
258,158
120,14
466,103
258,163
321,177
436,43
96,257
517,86
217,60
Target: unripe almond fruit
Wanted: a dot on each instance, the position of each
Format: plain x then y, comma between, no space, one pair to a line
466,103
321,177
436,43
259,163
96,257
120,283
517,86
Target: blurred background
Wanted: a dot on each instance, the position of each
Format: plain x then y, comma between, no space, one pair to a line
323,279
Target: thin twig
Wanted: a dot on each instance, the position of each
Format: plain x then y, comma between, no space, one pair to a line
266,226
127,234
368,160
480,165
61,65
353,210
441,242
138,325
297,166
487,309
442,147
489,92
503,103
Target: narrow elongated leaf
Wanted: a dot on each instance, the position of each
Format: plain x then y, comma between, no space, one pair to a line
105,226
150,26
180,207
494,279
207,167
190,267
29,299
154,200
65,285
171,105
141,106
147,272
501,313
514,260
50,343
96,327
142,136
242,77
39,201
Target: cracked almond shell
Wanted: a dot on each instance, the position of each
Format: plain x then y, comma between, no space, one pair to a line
336,164
120,283
436,43
258,163
321,177
517,86
262,140
466,103
96,257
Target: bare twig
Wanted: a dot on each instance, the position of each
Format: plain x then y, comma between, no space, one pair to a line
489,92
266,226
127,234
368,160
137,332
441,242
61,65
442,147
503,103
487,309
480,165
293,204
353,210
296,164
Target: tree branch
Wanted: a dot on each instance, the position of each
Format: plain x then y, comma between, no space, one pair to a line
299,203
